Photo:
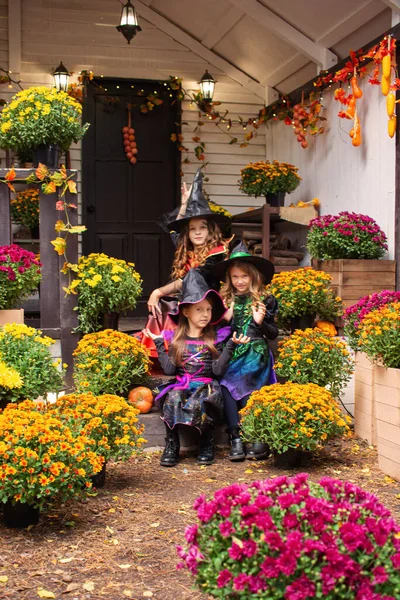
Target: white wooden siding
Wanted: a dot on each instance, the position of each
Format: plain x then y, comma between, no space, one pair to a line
344,177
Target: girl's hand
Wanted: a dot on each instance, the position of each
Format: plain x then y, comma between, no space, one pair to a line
258,312
149,334
229,313
152,303
241,339
185,193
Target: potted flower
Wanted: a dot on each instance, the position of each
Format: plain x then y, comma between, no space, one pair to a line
105,286
109,420
354,314
302,294
290,538
109,362
292,418
379,339
41,459
312,356
25,210
25,352
350,247
270,179
19,277
43,120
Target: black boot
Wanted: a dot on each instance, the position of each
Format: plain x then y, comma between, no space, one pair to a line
206,448
170,456
237,452
257,451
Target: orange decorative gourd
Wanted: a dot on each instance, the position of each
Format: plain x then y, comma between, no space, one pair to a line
327,328
142,398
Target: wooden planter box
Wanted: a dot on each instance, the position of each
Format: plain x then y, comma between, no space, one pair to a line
353,279
364,398
387,411
12,316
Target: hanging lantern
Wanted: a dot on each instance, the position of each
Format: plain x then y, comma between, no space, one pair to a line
129,24
207,85
61,78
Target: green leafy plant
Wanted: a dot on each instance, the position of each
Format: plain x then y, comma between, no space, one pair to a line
346,235
104,285
41,457
264,177
292,415
109,420
26,350
379,335
312,356
41,115
304,291
109,362
289,538
19,275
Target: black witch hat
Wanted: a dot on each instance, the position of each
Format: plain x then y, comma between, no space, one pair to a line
194,290
241,253
197,208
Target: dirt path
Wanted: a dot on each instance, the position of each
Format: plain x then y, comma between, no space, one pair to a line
121,543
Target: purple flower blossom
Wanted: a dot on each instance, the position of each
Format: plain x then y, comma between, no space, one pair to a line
224,577
298,535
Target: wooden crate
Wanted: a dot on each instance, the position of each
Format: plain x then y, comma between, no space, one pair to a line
353,279
364,398
387,412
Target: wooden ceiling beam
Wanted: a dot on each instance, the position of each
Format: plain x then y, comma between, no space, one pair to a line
358,18
292,36
393,4
197,47
222,27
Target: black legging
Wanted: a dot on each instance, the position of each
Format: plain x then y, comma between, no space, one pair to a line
231,408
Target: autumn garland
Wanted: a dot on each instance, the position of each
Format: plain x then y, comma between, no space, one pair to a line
52,182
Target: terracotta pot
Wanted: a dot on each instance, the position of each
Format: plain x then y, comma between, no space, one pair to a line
12,316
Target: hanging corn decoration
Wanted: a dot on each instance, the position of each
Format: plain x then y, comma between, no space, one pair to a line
355,132
385,87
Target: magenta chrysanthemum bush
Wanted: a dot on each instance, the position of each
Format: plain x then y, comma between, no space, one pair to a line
346,235
292,539
354,315
19,274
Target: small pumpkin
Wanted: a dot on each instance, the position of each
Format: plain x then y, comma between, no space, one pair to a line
141,398
327,328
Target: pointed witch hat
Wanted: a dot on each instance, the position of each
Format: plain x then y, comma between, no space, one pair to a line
242,254
194,290
197,208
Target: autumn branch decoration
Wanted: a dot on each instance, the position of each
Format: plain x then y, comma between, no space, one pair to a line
52,182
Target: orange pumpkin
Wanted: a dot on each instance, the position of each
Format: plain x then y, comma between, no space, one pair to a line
141,398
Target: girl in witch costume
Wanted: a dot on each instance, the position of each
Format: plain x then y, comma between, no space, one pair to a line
194,398
251,313
199,243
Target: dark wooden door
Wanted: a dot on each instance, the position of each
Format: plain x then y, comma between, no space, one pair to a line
121,201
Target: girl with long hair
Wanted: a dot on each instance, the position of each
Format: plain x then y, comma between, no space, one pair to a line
196,231
251,313
194,399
